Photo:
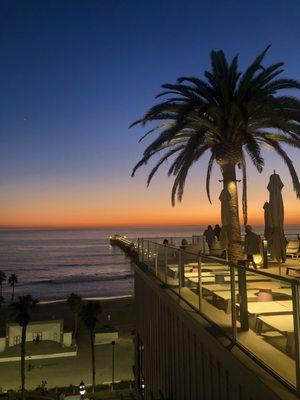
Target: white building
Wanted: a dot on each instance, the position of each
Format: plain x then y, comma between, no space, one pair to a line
37,330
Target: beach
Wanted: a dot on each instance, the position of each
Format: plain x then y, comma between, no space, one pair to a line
117,313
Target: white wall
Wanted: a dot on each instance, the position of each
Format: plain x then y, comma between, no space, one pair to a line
67,340
2,344
49,331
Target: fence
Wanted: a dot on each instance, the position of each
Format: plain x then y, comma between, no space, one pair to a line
258,311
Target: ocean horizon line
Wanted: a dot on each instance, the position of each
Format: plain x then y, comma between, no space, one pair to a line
96,227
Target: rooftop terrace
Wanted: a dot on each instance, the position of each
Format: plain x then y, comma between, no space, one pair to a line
258,310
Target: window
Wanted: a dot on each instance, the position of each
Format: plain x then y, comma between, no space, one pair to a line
17,339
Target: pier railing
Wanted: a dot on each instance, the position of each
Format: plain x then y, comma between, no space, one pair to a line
258,311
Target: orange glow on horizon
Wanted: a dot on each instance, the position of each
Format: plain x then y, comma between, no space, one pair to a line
128,216
122,201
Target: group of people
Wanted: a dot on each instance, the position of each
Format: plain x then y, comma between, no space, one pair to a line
212,234
251,244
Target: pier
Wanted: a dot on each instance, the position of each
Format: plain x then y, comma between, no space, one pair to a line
129,248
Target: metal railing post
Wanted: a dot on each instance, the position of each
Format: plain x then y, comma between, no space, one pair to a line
179,270
242,284
139,247
296,315
156,261
148,250
199,283
166,264
203,244
265,253
233,300
142,250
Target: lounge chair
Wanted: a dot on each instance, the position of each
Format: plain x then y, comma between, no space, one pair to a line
293,249
224,297
270,307
284,324
250,278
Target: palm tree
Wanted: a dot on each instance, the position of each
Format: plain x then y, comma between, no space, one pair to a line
74,302
12,280
2,280
22,309
2,301
230,114
89,315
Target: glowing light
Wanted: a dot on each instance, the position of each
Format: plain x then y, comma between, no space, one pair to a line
82,389
257,258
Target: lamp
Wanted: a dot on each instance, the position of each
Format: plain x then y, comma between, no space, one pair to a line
265,295
257,258
82,390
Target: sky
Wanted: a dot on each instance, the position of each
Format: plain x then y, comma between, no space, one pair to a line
75,74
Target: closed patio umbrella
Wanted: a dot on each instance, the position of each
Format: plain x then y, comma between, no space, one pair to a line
268,223
225,216
277,239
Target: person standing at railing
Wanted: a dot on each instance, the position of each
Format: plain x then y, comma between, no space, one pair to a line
217,231
184,244
209,236
252,244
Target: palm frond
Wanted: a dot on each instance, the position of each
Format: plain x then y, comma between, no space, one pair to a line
253,150
162,160
179,182
244,196
279,150
208,175
251,70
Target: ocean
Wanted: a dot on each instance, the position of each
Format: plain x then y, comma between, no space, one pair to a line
52,263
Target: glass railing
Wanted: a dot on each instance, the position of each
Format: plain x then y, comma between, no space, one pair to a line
258,311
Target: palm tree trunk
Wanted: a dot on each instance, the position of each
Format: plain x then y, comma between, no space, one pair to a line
235,251
1,289
13,294
93,359
75,325
23,352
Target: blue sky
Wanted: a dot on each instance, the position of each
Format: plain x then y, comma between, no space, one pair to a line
74,74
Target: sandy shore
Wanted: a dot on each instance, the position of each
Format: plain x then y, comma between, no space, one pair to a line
71,370
120,310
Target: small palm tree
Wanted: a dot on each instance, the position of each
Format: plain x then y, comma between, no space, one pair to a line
2,280
74,302
89,315
13,280
230,114
22,309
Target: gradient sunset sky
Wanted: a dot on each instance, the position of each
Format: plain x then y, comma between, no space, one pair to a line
75,74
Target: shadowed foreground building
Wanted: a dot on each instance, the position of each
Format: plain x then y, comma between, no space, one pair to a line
180,355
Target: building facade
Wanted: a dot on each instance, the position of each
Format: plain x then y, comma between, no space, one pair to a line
180,356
